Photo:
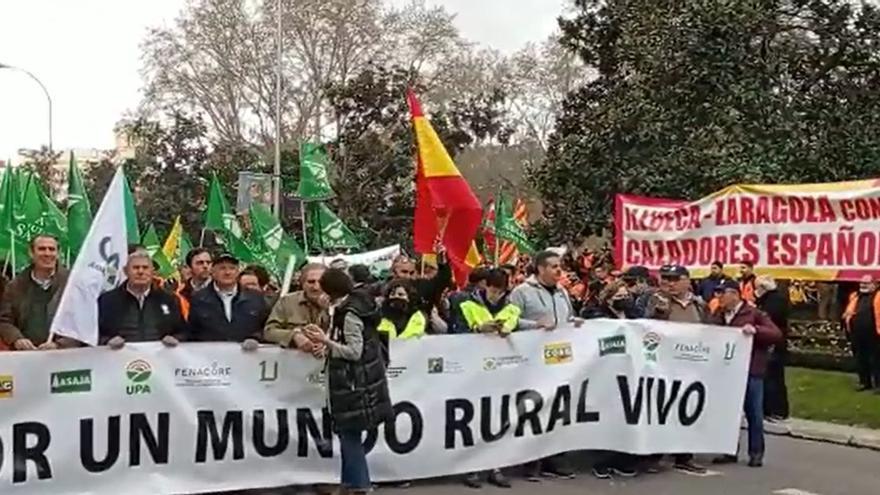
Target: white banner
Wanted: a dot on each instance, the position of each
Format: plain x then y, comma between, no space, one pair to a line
378,260
210,417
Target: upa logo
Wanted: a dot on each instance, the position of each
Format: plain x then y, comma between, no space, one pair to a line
7,385
650,342
138,373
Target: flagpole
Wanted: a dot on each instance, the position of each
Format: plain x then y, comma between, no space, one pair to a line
277,167
302,211
202,238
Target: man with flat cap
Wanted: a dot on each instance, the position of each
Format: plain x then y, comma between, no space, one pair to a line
225,312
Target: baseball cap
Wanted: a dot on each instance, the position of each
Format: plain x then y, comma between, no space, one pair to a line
676,271
636,272
728,284
226,258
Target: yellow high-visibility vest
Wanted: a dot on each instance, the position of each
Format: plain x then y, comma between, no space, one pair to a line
476,314
415,327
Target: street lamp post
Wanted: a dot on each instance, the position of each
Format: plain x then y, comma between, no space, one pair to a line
277,168
45,91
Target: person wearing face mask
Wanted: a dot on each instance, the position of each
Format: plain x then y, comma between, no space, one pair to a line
487,311
862,323
401,317
616,302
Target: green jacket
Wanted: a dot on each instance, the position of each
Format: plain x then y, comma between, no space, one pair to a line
16,307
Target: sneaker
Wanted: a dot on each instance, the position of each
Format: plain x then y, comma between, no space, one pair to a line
498,479
624,472
558,472
690,467
473,481
756,461
725,459
601,472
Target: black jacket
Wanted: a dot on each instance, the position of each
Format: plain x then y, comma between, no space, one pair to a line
359,398
775,304
120,314
207,318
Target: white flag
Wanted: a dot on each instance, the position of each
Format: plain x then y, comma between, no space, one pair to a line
98,268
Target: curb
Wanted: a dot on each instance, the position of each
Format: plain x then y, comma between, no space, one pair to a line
826,432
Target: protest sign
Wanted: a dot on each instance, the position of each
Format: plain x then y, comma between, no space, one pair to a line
211,417
811,231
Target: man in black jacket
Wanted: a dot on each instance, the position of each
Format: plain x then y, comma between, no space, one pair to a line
225,312
137,311
773,302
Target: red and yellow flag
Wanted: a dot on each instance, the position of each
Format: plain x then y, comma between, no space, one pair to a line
446,208
508,253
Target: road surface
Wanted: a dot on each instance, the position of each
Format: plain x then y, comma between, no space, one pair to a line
792,467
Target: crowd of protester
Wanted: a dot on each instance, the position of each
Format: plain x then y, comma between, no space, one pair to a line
346,317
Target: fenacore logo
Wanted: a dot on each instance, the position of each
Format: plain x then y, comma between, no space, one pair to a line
138,373
69,382
7,385
435,365
558,353
729,351
650,343
204,376
616,344
697,352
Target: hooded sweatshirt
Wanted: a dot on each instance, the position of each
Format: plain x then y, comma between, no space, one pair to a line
538,302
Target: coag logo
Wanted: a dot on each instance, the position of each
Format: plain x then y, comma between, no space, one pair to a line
616,344
138,373
650,343
558,353
7,385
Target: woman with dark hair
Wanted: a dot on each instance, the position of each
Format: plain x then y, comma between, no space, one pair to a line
616,302
355,370
401,316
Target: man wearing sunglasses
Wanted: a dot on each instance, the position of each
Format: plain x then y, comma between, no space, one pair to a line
675,301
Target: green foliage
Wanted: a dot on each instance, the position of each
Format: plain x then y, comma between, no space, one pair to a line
692,96
372,157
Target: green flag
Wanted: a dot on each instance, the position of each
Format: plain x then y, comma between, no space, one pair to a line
13,247
313,179
150,242
79,212
183,248
507,228
270,236
40,215
219,217
328,231
131,219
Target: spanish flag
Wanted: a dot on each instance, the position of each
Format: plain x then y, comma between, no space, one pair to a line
446,208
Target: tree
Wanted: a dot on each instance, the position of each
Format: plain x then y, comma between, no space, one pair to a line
692,96
43,163
373,154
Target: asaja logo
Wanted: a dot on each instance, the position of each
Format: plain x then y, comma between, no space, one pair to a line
616,344
7,385
650,343
73,381
138,373
435,365
558,353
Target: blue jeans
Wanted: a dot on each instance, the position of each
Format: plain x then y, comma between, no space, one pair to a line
355,472
754,410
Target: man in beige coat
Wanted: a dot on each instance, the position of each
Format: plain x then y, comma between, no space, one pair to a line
295,312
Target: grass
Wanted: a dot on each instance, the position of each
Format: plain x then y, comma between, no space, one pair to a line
831,396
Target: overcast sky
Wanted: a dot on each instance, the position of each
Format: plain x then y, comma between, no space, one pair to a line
86,53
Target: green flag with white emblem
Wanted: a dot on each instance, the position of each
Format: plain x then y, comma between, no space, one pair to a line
328,231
